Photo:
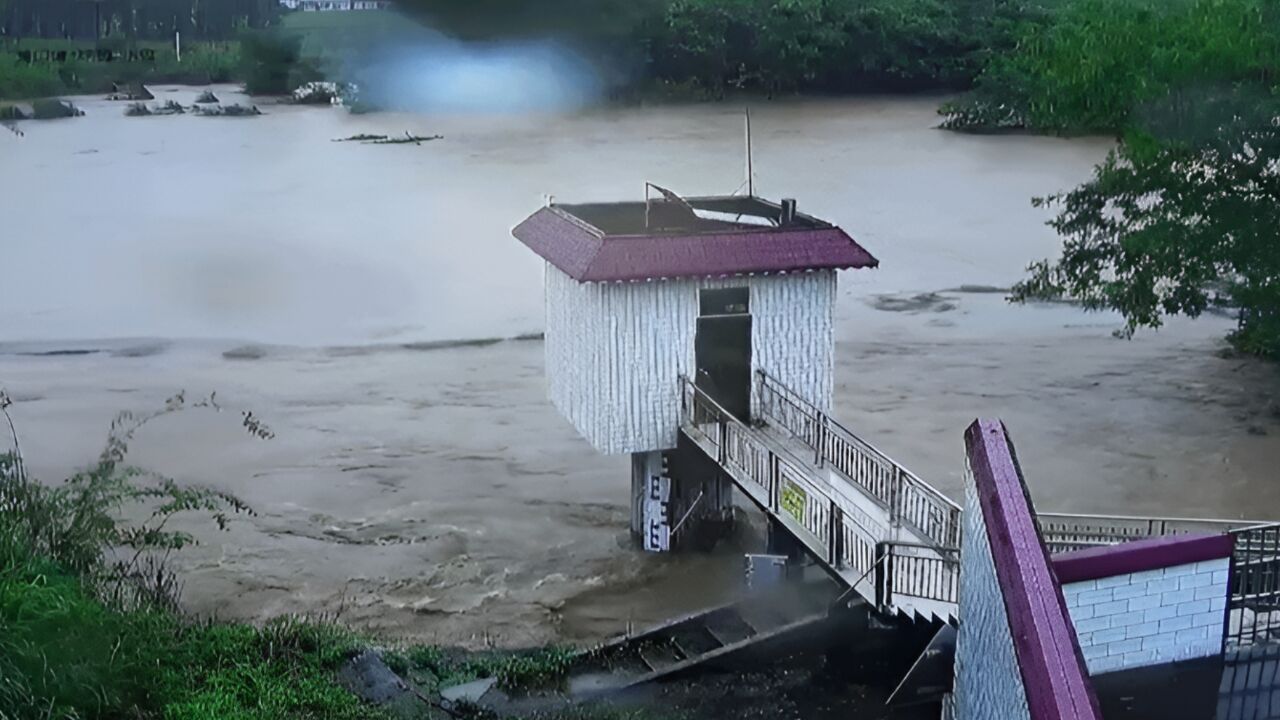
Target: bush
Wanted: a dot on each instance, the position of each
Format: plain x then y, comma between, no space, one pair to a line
83,636
1181,218
63,651
272,63
526,670
824,45
20,80
1092,64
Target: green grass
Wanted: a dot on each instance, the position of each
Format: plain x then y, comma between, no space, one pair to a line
332,34
67,654
432,668
202,63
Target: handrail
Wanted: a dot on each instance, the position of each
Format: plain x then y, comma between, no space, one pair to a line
1224,523
1064,532
909,499
923,571
834,527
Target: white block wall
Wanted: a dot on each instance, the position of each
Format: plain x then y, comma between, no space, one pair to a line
615,351
1151,617
988,681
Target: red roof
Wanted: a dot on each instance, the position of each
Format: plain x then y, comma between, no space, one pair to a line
647,242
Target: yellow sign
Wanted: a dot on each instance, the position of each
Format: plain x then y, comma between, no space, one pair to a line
792,501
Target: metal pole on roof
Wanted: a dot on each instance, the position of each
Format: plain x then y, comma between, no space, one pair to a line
751,189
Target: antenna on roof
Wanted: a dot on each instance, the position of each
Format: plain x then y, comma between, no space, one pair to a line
751,186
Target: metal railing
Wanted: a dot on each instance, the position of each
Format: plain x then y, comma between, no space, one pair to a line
1253,607
919,571
778,483
831,525
909,500
1064,532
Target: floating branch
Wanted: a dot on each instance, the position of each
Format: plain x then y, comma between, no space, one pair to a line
408,138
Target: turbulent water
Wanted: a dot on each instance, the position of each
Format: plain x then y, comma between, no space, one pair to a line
428,490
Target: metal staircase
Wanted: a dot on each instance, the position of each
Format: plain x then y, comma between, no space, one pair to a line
872,524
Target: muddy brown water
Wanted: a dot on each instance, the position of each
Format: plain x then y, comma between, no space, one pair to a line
431,492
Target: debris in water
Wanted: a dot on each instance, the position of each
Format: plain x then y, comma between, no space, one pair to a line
322,93
13,112
139,109
52,109
388,140
408,138
130,91
228,111
207,98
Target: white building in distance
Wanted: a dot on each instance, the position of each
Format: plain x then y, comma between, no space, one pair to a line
335,5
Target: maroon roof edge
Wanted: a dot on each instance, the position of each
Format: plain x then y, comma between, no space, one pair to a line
1139,555
1044,639
585,254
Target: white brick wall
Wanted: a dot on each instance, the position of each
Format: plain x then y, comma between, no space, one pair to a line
1150,617
614,351
988,682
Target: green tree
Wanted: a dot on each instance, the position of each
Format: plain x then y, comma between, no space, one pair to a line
1185,215
272,63
1087,65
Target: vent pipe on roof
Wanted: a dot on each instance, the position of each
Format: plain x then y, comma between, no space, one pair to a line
788,212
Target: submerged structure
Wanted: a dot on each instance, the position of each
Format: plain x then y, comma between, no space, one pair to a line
696,335
716,289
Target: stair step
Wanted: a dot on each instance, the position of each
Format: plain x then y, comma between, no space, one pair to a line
765,617
729,627
660,656
694,641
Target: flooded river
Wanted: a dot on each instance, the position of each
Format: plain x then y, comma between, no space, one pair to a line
429,491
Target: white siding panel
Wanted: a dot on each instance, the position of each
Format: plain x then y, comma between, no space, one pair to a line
615,351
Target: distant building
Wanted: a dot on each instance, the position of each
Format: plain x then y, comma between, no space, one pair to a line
335,5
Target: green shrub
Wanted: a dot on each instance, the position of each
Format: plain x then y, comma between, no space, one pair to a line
824,45
521,670
284,670
272,63
82,636
1092,64
20,80
64,652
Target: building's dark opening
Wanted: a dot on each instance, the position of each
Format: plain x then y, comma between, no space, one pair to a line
722,349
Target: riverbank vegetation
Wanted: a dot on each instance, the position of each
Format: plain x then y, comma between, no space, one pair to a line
1134,69
33,68
91,626
1181,217
1092,65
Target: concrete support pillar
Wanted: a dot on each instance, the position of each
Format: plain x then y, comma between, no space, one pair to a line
780,541
679,500
650,501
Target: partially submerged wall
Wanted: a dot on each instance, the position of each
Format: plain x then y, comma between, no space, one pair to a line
1016,654
1148,602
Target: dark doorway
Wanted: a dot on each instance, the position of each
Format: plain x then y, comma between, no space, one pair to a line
722,349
